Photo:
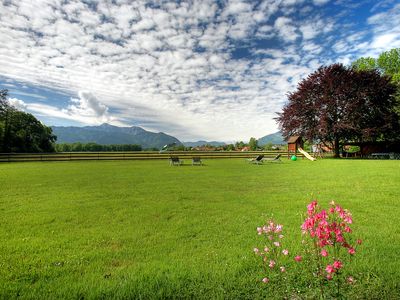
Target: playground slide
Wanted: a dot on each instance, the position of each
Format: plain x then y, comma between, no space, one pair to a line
306,154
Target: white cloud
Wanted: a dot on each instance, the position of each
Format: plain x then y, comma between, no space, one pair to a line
88,105
86,109
385,34
17,103
386,30
320,2
385,41
237,7
310,31
286,29
312,48
341,46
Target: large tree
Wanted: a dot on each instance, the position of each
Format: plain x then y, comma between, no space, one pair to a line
337,104
253,144
22,132
387,63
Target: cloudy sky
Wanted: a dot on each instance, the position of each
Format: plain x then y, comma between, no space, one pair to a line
199,69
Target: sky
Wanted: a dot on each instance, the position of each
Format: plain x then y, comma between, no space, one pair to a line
198,70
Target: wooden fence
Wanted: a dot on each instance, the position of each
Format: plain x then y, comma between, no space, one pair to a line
139,155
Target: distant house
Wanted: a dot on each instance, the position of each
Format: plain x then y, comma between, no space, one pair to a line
245,148
203,148
367,148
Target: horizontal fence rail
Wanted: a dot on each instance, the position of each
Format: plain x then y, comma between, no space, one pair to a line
140,155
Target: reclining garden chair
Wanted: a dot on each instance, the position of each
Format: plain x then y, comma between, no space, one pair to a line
197,161
258,160
175,161
273,159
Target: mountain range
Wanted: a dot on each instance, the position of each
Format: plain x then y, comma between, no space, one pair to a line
107,134
274,138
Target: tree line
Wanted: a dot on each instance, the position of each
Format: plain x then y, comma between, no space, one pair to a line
22,132
93,147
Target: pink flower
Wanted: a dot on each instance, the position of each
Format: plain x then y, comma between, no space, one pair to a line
348,219
285,252
266,249
329,277
350,279
265,280
311,207
278,228
282,269
256,250
347,229
271,264
359,242
330,269
352,251
259,230
298,258
337,264
277,244
323,223
339,238
324,253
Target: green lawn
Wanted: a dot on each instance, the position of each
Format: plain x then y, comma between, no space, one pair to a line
144,229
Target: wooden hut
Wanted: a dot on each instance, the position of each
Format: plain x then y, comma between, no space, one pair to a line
294,142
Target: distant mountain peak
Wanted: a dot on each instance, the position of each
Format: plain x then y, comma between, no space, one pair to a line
107,134
273,138
107,125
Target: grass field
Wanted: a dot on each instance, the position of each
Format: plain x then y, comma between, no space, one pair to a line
144,229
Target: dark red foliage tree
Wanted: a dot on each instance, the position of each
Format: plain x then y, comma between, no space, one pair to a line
337,104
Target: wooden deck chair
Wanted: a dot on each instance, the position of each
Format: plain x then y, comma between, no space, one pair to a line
273,159
258,160
197,161
175,161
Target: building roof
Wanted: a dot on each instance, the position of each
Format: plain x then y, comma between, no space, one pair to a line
293,139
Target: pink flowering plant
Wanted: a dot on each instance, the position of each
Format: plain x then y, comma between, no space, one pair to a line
329,244
328,250
272,253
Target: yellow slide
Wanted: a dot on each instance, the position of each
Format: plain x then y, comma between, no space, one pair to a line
306,154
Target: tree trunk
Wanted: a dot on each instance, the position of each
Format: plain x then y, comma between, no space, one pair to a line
336,148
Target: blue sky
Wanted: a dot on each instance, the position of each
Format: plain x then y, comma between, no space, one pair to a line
200,69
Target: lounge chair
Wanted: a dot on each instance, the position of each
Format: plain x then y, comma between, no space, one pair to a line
197,161
273,159
175,161
258,160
